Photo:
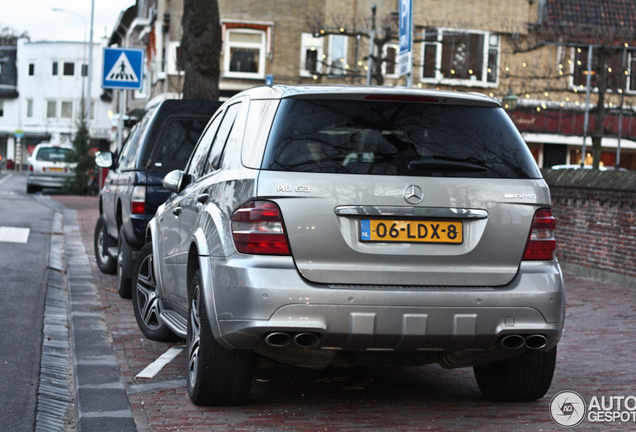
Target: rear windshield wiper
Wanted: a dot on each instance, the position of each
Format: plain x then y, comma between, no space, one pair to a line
446,165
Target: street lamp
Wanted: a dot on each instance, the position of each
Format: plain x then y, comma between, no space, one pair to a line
85,108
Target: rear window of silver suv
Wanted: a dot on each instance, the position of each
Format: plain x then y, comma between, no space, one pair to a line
396,138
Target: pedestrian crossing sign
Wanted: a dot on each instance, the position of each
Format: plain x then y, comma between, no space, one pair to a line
123,68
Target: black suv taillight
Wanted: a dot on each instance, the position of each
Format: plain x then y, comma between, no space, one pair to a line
541,243
257,228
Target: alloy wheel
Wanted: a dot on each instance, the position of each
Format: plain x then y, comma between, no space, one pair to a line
194,337
147,301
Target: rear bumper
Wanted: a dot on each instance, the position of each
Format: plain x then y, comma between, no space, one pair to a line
253,297
47,181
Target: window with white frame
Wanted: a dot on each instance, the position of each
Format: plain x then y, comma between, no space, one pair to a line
51,109
29,108
337,55
173,65
67,110
311,55
460,57
390,66
615,73
244,53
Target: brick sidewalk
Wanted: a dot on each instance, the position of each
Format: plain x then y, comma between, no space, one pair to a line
595,359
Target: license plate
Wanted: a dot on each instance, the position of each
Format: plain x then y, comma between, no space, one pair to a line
411,231
56,169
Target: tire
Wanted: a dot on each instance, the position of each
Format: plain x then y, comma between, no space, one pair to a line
215,375
519,379
102,241
145,300
33,189
125,266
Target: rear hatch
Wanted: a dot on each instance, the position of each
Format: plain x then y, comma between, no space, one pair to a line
411,193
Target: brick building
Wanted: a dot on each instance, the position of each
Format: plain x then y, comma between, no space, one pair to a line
481,46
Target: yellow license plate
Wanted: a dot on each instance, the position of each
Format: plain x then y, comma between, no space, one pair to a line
385,230
56,169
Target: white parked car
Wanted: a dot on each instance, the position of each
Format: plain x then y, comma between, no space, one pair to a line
48,167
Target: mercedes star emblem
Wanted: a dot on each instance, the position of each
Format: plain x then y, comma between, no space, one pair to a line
413,194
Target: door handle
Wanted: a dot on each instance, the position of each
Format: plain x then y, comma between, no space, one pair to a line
177,211
203,198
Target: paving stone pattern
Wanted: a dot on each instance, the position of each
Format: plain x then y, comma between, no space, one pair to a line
595,359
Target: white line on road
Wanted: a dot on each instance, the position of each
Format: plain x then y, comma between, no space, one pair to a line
155,367
6,178
14,235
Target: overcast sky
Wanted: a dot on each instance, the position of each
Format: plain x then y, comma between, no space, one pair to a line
38,19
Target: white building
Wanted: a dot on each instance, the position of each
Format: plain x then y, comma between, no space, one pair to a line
51,83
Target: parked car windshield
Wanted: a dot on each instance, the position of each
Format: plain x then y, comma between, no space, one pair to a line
396,138
53,154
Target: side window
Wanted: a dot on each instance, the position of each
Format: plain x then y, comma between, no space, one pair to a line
195,168
221,138
131,147
177,141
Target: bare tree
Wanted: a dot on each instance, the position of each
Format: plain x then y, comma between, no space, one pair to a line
9,36
359,29
608,70
200,49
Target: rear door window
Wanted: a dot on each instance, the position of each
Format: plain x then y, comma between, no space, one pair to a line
396,138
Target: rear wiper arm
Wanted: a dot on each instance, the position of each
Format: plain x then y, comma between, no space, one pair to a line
446,165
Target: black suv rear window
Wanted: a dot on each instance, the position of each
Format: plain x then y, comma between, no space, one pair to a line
396,138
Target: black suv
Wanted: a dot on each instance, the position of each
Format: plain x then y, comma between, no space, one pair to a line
161,142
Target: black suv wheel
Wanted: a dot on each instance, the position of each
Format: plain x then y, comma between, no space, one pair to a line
102,241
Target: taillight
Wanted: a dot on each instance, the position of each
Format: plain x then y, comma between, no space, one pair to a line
138,200
30,167
541,243
257,228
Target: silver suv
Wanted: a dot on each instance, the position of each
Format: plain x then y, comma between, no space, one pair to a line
338,226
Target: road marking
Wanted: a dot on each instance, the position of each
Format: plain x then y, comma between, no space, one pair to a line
155,367
14,235
6,178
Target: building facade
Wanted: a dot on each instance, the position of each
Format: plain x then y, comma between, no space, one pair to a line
492,47
51,80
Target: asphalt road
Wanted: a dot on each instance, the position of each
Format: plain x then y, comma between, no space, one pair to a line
23,278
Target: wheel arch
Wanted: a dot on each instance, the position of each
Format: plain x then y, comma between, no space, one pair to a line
198,259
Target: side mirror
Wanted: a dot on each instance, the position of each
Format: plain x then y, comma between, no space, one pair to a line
104,159
174,181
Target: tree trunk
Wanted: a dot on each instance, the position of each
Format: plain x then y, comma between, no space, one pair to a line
599,114
201,49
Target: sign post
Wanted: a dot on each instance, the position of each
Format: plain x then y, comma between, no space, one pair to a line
406,40
123,70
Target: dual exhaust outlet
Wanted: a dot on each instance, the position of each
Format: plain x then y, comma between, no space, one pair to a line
535,341
303,340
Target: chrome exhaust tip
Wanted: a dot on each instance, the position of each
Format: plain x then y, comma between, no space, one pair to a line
278,339
536,341
513,342
306,340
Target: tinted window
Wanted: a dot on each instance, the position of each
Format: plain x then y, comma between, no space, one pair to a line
199,157
393,138
178,138
131,148
221,138
52,154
